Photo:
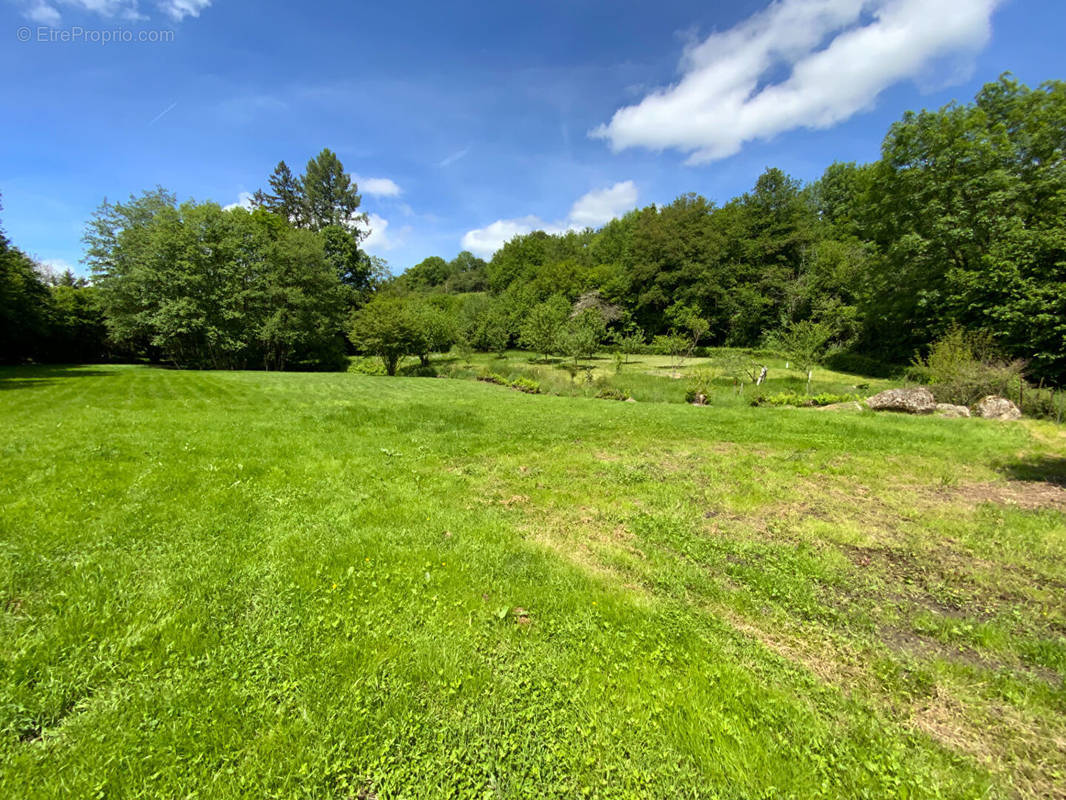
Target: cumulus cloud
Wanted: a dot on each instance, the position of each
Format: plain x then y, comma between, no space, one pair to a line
379,187
837,55
591,210
378,237
244,200
600,206
48,13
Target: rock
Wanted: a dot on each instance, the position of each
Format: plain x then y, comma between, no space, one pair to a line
951,412
996,407
910,401
630,400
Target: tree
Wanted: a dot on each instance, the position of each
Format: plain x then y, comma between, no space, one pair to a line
583,333
331,197
286,198
438,329
630,340
688,322
386,328
967,206
353,267
803,344
200,286
24,305
430,273
544,327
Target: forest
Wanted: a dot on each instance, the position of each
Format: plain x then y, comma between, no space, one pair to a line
961,224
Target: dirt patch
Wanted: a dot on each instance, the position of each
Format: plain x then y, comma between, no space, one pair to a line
1028,495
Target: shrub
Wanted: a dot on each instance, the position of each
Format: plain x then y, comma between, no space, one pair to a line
493,377
366,366
804,400
526,385
699,383
611,393
1044,404
962,367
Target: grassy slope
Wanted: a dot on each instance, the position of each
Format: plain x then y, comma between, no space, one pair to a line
280,585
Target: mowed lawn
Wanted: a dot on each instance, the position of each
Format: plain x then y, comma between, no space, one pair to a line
225,585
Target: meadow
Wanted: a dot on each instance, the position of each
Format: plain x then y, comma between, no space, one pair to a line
231,584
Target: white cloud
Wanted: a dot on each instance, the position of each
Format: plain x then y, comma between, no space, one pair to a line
178,10
48,13
379,187
486,241
839,56
42,14
379,239
592,210
600,206
244,200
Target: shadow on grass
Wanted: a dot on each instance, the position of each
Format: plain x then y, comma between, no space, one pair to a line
40,376
1045,469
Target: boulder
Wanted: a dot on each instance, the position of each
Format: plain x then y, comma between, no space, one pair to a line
996,407
909,401
951,412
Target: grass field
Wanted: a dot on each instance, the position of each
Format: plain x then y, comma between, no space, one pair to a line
645,378
223,585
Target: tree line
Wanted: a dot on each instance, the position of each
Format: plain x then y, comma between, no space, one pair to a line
961,223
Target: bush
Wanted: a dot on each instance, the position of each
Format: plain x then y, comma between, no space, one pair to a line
963,367
699,383
1044,404
804,400
610,393
493,377
526,385
366,366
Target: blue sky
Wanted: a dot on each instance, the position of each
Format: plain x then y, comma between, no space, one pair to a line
466,122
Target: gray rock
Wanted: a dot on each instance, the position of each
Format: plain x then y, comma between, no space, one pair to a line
909,401
996,407
951,412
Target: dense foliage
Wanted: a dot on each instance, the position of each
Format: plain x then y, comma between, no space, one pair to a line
962,221
44,316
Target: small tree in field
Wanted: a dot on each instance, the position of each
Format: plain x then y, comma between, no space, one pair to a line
543,329
583,334
437,327
630,341
688,322
804,344
386,327
675,346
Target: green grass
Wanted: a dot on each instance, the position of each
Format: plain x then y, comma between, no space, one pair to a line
343,586
645,378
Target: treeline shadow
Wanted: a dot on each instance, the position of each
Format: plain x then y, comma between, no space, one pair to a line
1043,469
40,376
